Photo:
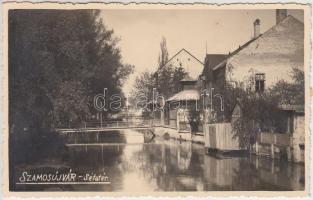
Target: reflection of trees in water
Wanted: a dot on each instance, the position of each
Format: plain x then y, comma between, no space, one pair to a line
100,159
95,137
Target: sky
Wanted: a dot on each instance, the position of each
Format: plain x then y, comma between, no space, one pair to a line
198,31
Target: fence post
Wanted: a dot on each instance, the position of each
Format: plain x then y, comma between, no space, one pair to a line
257,148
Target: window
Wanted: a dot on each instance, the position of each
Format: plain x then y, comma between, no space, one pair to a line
259,82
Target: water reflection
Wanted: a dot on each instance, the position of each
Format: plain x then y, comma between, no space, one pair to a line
134,165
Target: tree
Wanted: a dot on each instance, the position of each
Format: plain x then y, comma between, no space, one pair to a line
166,80
290,93
259,112
141,93
167,76
163,56
58,61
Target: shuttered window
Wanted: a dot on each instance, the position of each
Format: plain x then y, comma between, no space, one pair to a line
259,82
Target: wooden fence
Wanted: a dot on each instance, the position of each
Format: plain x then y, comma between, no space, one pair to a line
220,137
274,145
275,139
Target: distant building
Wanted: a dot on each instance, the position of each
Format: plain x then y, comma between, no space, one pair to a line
192,65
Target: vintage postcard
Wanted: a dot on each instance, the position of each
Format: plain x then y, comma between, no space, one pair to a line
155,99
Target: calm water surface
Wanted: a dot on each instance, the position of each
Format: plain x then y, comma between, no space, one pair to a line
135,162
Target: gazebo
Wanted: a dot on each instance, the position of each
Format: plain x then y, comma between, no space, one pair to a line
178,106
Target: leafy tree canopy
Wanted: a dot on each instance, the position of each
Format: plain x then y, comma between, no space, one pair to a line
58,61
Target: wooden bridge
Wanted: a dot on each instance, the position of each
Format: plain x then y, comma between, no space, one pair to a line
89,127
87,130
89,133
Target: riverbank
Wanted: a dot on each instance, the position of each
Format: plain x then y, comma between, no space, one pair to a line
179,135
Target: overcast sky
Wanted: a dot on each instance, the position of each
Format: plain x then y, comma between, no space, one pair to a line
140,32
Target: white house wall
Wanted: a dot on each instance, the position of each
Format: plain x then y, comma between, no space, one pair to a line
274,53
188,62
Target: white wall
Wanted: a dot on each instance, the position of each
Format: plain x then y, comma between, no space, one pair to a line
275,53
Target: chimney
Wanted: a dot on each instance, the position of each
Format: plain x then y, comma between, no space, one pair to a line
256,24
281,14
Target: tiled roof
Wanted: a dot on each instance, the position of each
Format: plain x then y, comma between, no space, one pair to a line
211,60
214,59
288,20
235,52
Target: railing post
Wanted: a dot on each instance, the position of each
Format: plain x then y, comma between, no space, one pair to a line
257,148
101,120
272,151
289,154
257,162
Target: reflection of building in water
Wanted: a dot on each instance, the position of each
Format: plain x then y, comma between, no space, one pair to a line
280,174
172,166
253,173
220,172
184,156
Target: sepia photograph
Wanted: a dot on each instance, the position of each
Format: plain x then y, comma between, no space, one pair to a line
164,98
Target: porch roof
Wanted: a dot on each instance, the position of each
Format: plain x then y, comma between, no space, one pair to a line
186,95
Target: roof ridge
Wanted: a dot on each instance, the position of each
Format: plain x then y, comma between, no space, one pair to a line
291,16
183,49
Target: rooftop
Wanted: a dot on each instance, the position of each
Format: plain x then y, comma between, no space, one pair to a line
186,95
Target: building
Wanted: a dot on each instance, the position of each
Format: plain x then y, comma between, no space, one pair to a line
265,59
192,65
193,68
259,64
177,113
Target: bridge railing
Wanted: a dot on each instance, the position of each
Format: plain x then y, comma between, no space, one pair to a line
110,124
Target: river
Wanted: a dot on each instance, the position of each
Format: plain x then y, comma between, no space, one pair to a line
136,162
